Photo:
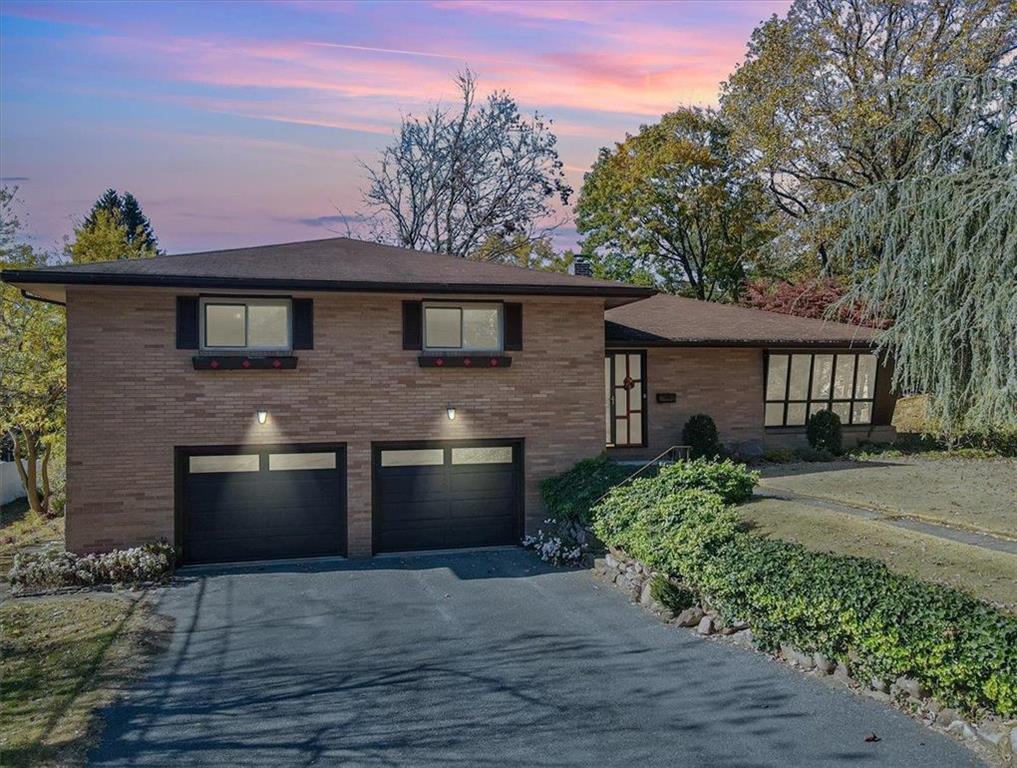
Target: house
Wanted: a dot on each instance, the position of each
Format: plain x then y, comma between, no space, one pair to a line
343,397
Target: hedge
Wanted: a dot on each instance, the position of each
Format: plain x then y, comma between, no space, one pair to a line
569,496
881,624
49,570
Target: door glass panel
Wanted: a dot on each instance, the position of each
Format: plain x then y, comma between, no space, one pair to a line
636,397
607,400
619,369
481,328
636,428
822,373
268,326
621,431
776,377
862,413
224,325
284,461
799,385
636,366
495,454
865,384
843,410
413,457
233,462
442,328
774,416
795,414
843,377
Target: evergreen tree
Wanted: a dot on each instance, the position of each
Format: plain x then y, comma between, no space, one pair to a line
115,228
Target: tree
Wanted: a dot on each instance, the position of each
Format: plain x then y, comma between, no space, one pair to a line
943,244
811,103
115,228
674,201
521,251
455,181
33,374
820,297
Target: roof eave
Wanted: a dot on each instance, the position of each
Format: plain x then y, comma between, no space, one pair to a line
759,343
20,277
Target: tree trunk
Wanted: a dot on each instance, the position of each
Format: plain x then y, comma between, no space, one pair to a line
27,470
47,495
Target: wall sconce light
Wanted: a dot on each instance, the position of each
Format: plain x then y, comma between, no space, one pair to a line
451,412
262,416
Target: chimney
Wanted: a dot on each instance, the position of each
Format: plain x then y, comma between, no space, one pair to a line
581,267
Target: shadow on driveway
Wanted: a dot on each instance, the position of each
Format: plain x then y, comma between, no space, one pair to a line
474,659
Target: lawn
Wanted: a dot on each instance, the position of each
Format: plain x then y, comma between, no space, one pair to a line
63,656
985,573
971,494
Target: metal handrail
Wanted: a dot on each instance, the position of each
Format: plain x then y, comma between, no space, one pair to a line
677,452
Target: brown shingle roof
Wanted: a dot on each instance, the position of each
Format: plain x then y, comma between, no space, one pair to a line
335,264
665,320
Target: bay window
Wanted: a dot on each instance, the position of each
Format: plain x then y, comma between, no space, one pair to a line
801,384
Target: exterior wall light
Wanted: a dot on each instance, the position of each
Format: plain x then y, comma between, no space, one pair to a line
262,416
451,411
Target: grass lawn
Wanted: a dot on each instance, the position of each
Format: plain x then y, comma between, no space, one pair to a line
986,574
973,494
63,656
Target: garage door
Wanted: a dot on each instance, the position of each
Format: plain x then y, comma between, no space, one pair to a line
447,495
263,503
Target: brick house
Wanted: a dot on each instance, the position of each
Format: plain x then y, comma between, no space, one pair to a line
342,397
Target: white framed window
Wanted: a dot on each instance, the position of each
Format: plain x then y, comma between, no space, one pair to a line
467,327
244,324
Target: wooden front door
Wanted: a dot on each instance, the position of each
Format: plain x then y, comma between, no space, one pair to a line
625,398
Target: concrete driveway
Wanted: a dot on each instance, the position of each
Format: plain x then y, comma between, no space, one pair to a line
476,659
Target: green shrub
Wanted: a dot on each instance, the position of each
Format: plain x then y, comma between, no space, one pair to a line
778,455
569,496
823,432
808,453
729,480
700,433
882,623
671,595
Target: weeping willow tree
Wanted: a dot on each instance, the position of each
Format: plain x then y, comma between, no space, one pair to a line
936,251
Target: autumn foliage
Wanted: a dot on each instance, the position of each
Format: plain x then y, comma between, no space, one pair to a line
818,297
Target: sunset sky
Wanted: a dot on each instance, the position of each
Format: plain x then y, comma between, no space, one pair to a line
238,124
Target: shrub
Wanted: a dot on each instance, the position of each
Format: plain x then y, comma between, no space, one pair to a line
881,623
48,570
729,480
671,595
570,495
778,455
813,454
823,432
700,433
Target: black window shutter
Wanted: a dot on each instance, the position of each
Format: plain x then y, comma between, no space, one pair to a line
303,323
413,325
513,326
187,322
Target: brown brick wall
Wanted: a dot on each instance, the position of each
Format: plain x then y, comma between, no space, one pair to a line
133,396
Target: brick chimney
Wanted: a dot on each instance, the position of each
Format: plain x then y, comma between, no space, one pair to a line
581,267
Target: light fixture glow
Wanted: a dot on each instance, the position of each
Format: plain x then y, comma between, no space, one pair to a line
262,417
451,411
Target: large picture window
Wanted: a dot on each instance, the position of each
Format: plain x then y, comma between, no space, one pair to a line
464,327
799,385
245,324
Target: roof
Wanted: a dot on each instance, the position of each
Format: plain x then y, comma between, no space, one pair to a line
665,320
335,264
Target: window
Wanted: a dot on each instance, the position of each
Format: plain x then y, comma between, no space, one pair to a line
246,324
413,457
500,454
465,327
799,385
288,461
238,462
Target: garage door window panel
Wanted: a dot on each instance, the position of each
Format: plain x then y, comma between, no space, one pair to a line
230,462
300,461
418,457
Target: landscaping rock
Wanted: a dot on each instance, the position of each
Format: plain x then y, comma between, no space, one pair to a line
738,625
1013,742
797,658
841,673
646,596
880,685
600,564
611,561
880,696
705,626
690,617
946,716
743,637
823,664
911,687
991,733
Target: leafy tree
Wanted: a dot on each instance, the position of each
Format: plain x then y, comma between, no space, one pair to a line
33,374
105,238
456,181
115,228
820,297
943,243
675,203
811,103
521,251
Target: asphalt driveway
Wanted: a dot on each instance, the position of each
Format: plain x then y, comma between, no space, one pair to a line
477,659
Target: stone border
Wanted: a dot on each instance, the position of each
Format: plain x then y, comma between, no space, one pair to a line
993,738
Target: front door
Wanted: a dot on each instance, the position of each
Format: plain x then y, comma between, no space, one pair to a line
625,398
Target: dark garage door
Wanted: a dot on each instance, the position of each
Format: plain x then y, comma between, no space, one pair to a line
446,495
262,503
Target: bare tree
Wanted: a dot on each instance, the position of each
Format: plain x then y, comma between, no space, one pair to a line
456,180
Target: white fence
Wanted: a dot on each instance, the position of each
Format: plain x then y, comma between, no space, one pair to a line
10,483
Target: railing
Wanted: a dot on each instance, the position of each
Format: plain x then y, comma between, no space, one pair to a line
672,454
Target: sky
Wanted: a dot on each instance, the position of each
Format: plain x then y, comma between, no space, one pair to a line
246,123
